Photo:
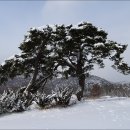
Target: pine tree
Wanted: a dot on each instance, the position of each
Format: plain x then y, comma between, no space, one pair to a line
80,47
35,61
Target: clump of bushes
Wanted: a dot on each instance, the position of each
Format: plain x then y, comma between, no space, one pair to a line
60,97
11,101
43,100
63,96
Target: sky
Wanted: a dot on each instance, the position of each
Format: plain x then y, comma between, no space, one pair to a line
17,17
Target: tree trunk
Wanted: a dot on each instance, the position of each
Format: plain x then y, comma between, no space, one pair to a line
33,80
42,82
80,74
82,85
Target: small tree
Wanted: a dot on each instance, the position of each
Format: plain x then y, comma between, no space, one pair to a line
80,47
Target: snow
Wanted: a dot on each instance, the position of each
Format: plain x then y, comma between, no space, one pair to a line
27,39
68,37
98,37
119,46
59,47
83,40
41,28
50,25
82,22
98,44
77,27
103,113
52,54
49,47
53,27
9,58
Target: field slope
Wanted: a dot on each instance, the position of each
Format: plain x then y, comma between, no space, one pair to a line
103,113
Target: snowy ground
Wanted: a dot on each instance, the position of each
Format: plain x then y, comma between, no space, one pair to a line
103,113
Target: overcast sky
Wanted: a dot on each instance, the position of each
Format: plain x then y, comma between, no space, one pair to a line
16,17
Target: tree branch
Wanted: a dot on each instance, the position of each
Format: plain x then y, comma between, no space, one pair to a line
71,61
32,81
69,64
38,85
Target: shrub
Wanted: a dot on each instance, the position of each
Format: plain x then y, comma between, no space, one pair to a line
96,90
11,101
44,100
63,96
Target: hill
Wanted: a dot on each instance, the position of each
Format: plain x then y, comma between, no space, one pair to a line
20,81
106,87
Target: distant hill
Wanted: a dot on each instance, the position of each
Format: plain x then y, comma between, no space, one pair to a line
72,82
15,83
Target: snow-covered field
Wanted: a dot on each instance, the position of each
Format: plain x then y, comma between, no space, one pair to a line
103,113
